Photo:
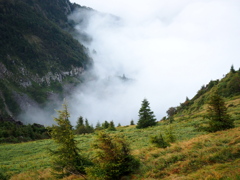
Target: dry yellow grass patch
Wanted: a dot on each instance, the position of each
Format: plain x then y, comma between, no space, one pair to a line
218,152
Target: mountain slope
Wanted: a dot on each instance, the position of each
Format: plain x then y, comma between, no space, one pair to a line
37,53
228,87
196,154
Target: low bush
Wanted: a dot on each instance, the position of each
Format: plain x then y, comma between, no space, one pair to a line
113,159
159,141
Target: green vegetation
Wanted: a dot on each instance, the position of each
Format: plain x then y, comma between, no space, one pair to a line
217,114
146,116
11,132
113,159
191,144
111,126
227,87
83,128
182,148
35,42
66,158
158,141
132,122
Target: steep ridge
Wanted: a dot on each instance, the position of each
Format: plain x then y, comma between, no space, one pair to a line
228,87
38,55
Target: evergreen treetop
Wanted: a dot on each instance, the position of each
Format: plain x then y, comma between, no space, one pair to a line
79,122
111,126
232,69
146,116
132,122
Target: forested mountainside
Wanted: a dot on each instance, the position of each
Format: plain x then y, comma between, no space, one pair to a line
38,55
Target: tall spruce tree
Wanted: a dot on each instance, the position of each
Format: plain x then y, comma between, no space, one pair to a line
146,116
217,114
66,159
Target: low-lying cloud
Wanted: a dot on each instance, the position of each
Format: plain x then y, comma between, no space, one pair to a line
169,48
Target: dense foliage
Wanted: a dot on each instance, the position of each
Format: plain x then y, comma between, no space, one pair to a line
159,141
111,126
113,159
146,116
30,38
11,132
83,128
66,159
217,114
35,42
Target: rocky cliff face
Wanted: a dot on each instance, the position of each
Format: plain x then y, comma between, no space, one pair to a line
38,55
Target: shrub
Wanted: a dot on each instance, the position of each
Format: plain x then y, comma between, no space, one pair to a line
3,175
159,141
170,136
113,159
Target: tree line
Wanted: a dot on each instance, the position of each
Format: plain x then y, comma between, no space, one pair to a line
113,158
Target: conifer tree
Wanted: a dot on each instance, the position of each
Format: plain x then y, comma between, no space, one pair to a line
113,159
80,127
80,122
89,128
66,159
98,126
111,126
232,70
217,114
132,122
146,116
105,125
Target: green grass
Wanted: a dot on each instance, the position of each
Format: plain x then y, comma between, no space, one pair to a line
191,156
22,157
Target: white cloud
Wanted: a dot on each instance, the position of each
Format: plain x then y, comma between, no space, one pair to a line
171,48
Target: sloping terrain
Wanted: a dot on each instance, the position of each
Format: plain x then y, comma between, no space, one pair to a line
38,55
196,154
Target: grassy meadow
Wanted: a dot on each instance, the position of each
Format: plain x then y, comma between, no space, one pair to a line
195,154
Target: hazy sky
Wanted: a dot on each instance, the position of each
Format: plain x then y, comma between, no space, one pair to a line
169,47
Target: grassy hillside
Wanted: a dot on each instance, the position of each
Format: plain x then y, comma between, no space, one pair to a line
195,155
228,87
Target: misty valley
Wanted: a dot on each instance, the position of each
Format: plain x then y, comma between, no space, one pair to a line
103,90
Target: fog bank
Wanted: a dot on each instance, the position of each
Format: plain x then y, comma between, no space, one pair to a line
168,49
